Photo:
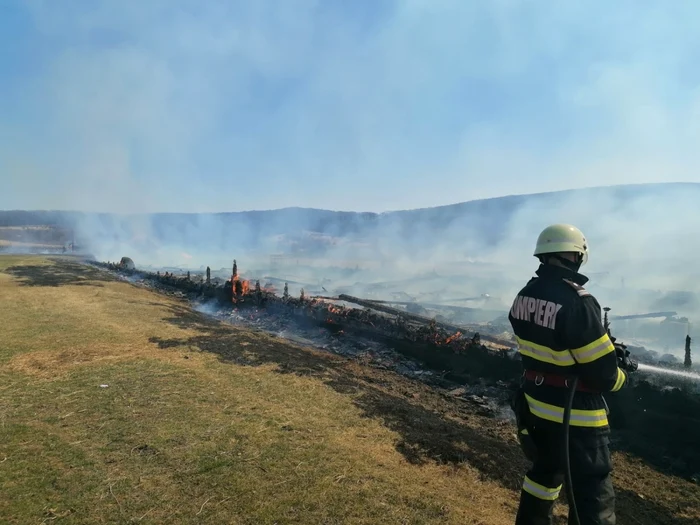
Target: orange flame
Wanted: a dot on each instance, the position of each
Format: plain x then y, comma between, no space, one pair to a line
453,337
244,285
334,309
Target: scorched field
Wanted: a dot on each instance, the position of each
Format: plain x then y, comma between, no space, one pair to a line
122,405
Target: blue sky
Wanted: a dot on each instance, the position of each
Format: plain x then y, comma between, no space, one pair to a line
370,105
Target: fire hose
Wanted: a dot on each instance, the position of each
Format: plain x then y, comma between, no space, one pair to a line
573,512
628,365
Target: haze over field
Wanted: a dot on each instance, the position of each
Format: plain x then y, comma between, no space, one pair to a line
637,242
369,106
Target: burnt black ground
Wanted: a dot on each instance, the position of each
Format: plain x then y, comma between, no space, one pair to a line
68,272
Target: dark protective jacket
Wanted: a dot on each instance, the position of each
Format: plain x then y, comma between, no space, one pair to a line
558,328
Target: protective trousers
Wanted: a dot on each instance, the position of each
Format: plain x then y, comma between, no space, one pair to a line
590,475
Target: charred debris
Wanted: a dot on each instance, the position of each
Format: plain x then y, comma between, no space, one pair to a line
655,418
456,354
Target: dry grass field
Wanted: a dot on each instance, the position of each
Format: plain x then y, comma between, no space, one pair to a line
32,236
119,405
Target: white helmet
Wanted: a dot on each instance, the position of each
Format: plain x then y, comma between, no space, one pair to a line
559,238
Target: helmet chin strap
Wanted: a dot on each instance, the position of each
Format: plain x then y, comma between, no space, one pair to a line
574,266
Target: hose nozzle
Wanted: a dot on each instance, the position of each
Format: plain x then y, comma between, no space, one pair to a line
624,360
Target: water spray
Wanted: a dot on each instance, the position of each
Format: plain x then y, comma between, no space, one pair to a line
668,371
651,369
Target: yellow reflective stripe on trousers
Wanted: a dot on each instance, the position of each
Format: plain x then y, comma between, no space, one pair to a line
544,353
595,350
621,378
579,418
540,491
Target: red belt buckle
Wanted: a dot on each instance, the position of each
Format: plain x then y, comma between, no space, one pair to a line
540,379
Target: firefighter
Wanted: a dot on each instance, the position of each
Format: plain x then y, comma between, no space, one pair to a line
558,328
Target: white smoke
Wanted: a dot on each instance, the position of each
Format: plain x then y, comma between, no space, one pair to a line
172,106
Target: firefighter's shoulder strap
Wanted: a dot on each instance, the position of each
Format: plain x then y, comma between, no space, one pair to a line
580,290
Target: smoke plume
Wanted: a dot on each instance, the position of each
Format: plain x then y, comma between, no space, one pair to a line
122,110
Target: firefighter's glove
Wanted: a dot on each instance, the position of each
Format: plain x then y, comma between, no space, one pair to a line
624,360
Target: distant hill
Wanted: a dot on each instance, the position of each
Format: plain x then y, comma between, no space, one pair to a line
480,222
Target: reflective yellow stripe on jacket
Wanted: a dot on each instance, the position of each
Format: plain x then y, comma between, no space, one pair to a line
585,354
544,353
595,350
621,378
579,418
